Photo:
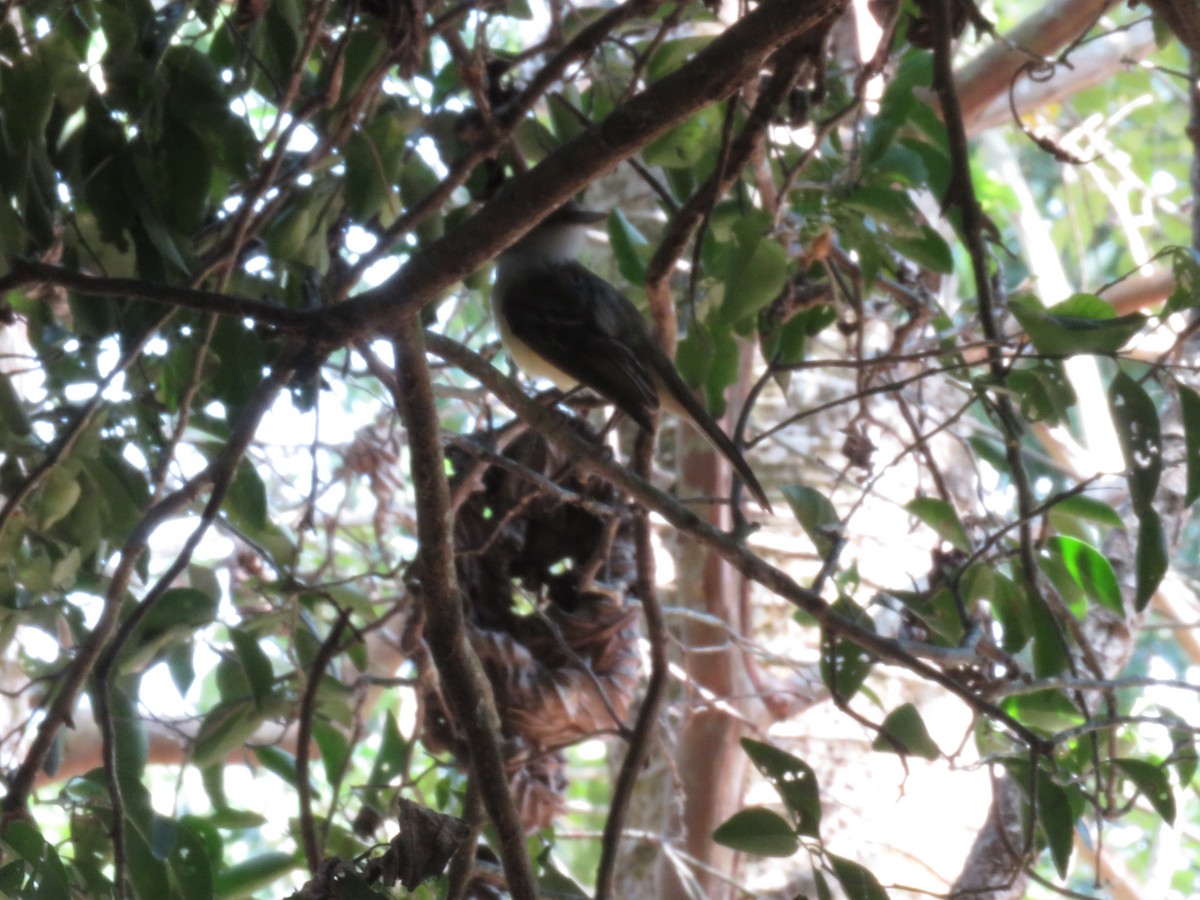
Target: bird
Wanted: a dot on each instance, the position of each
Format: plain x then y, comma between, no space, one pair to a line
560,321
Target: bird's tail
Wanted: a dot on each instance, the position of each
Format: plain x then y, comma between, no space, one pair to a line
676,397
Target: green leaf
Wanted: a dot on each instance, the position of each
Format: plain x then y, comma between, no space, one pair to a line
255,663
1083,323
1140,434
1091,570
1057,821
252,875
1185,265
857,881
888,207
793,779
280,762
904,727
60,492
1189,406
845,665
683,146
236,819
816,516
1154,784
226,728
943,519
629,247
1183,754
1152,558
334,747
1044,391
928,250
1049,654
755,277
1083,507
759,831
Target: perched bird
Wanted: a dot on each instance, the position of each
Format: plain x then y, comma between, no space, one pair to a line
559,321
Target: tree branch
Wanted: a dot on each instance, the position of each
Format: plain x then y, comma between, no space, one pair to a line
464,683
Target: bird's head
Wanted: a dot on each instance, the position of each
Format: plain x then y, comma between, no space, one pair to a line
558,236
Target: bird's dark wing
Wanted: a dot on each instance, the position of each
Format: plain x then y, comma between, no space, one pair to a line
585,327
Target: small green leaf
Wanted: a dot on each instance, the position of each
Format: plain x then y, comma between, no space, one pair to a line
1154,784
793,779
857,881
816,516
1080,324
1189,403
759,831
904,732
1091,570
1152,558
1140,435
1055,817
943,519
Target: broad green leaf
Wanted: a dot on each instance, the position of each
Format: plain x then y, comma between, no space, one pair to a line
845,665
1152,558
255,663
1091,570
279,762
759,831
928,250
190,867
683,146
630,248
793,779
250,876
1049,654
1189,403
226,728
236,819
334,747
1154,784
1140,434
1080,324
904,732
756,276
1185,265
60,492
889,207
1043,391
246,500
816,516
1058,823
1082,506
943,519
857,881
